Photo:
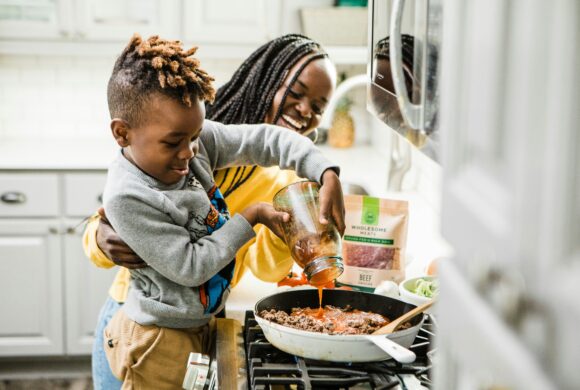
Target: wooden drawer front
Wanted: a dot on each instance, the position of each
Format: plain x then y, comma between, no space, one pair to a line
28,195
83,193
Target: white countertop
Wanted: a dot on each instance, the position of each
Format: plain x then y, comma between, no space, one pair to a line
57,154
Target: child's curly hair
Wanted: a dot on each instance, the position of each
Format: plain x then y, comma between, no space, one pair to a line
155,66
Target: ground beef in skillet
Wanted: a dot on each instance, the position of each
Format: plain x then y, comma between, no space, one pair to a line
340,321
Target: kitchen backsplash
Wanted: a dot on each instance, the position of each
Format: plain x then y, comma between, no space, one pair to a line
47,97
63,96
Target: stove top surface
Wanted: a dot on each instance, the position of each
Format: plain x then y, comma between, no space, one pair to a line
269,368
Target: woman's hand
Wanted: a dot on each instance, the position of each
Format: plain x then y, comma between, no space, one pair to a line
331,200
113,247
265,214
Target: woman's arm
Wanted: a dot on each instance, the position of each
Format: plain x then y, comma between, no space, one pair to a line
105,248
266,256
90,247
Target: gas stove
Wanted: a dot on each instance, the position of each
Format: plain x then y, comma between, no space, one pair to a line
246,360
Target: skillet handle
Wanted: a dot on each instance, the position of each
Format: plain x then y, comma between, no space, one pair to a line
397,352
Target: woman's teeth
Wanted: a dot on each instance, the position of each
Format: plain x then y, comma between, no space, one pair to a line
294,122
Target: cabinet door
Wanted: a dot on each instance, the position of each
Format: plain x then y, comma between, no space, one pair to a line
119,19
44,19
229,21
30,279
83,193
86,289
29,195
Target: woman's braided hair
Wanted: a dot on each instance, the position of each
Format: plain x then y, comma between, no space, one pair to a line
407,47
408,59
248,96
155,66
382,50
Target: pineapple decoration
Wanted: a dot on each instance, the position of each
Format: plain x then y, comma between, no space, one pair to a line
341,132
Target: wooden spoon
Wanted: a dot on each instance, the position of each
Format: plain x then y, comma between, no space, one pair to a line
393,325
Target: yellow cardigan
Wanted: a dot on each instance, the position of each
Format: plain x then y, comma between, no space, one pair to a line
265,255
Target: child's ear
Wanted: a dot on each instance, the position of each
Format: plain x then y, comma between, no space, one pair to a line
120,130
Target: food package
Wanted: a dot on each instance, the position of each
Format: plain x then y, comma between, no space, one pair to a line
373,246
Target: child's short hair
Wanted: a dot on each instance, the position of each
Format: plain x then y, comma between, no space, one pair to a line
155,66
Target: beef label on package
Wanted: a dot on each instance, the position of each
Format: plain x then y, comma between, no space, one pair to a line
373,246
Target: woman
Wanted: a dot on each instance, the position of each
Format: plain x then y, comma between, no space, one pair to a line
288,82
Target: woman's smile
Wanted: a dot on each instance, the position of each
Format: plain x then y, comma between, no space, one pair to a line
295,124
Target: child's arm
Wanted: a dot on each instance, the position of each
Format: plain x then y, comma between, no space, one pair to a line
264,145
268,145
167,247
268,257
265,214
331,200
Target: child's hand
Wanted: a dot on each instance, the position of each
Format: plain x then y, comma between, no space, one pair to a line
331,200
265,214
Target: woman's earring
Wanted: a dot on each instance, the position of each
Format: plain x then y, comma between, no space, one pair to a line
313,135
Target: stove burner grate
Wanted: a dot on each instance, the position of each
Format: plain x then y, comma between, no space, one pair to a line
269,366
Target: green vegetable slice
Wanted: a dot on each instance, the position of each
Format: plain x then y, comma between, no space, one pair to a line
426,288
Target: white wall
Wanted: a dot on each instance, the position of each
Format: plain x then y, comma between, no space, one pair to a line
64,96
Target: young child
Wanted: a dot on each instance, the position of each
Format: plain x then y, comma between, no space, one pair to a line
162,200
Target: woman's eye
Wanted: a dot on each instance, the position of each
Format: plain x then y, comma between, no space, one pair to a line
172,144
295,94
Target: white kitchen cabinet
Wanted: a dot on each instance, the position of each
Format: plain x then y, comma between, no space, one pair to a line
229,21
31,285
86,285
105,20
30,195
114,20
40,19
223,29
83,193
86,289
216,21
54,292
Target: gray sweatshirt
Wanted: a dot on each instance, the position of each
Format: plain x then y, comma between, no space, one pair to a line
183,231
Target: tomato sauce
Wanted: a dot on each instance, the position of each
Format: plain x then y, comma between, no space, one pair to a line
342,320
320,313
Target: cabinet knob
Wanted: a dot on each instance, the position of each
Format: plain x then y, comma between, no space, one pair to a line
53,230
100,198
13,197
